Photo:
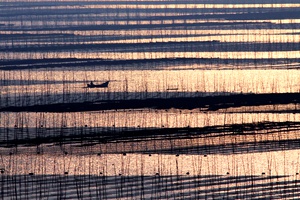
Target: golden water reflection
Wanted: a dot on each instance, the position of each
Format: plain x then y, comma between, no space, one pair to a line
51,82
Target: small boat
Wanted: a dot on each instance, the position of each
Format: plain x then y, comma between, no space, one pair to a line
102,85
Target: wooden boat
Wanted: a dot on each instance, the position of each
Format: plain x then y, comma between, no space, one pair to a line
102,85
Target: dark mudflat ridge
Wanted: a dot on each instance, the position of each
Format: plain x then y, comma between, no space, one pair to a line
120,186
126,135
136,134
210,103
202,46
74,63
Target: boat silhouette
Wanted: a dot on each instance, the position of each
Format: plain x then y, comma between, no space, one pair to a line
102,85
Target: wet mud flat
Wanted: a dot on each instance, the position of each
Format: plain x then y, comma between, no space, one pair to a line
222,139
209,103
153,63
150,187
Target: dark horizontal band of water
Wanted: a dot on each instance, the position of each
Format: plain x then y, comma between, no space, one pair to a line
210,103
